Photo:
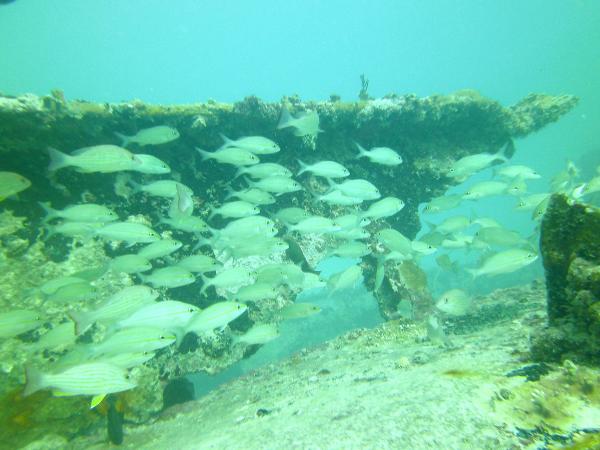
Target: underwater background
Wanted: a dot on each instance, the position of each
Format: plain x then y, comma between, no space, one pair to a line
339,58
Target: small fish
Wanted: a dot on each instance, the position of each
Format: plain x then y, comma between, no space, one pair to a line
504,262
129,232
297,311
217,315
11,184
278,274
84,379
485,189
76,292
452,224
485,222
352,234
351,249
99,158
338,198
455,302
469,165
189,224
422,248
51,286
394,241
18,321
231,155
236,209
130,264
160,249
518,171
326,169
304,124
357,188
265,246
264,170
246,227
457,240
150,136
260,333
229,278
121,304
540,209
88,212
182,204
445,263
256,144
380,155
125,360
386,207
169,277
199,264
346,279
73,229
58,338
443,203
255,292
168,315
517,186
315,224
291,215
150,165
498,236
252,195
132,340
160,188
275,185
435,331
349,221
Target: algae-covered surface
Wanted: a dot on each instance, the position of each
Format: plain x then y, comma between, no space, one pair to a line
388,388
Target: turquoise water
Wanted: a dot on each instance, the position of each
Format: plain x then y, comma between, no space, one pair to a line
187,51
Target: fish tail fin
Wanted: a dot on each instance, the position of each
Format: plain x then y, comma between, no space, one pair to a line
361,150
213,212
284,119
229,192
249,181
506,152
58,159
241,171
82,321
226,141
473,272
35,380
50,212
125,140
205,284
136,186
303,167
205,155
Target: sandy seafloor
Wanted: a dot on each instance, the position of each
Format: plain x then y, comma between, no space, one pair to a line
381,388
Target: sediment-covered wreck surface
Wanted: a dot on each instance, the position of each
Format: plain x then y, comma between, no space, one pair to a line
401,392
430,133
570,247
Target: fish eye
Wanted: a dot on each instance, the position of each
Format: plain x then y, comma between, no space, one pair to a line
161,337
239,306
191,310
